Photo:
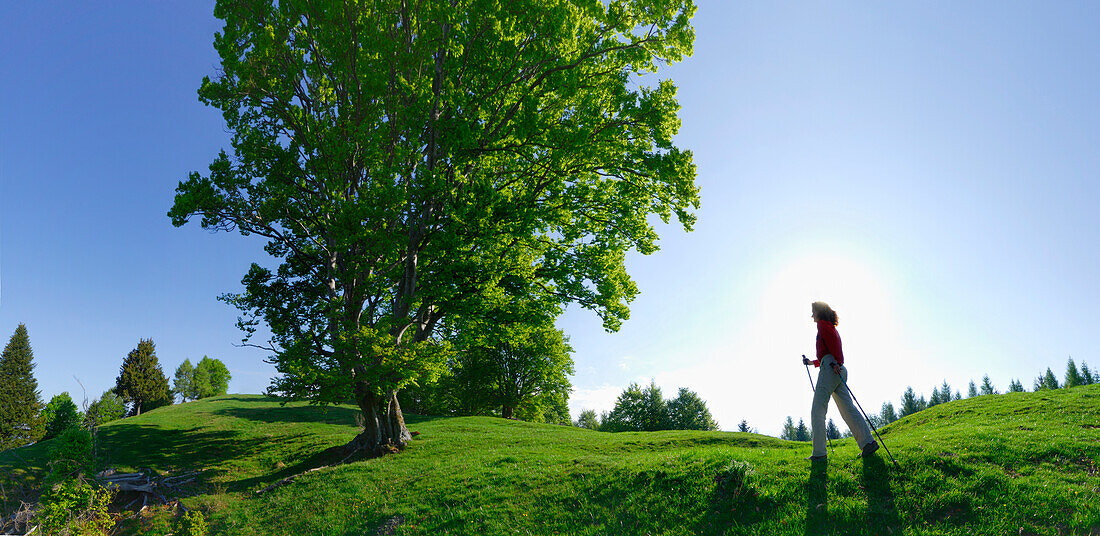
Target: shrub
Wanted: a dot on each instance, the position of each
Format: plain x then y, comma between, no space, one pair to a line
70,504
75,507
71,454
191,524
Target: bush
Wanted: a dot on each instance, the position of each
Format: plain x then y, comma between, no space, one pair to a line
191,524
71,505
75,507
71,455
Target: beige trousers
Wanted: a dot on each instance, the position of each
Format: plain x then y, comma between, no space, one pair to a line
830,384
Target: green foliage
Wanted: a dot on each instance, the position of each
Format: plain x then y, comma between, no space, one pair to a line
1073,377
75,507
639,410
108,407
744,426
1015,386
909,402
972,390
887,413
801,432
511,358
587,419
210,378
987,386
191,524
60,414
831,431
183,383
403,176
689,412
141,382
1046,381
20,400
1087,375
71,455
789,433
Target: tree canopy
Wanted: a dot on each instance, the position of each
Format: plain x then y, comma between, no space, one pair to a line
410,161
60,414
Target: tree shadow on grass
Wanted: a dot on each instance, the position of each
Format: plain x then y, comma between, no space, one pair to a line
817,498
335,415
338,415
881,511
175,451
735,501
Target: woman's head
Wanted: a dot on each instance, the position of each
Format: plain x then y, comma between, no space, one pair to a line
822,311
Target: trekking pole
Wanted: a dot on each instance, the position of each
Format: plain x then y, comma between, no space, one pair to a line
860,406
814,389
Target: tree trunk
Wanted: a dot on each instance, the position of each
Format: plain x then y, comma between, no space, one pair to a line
507,411
384,428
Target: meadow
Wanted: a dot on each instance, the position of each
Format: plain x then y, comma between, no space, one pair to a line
1018,463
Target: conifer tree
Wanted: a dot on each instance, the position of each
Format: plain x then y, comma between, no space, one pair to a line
1015,386
20,401
1073,377
888,414
936,397
1086,374
744,426
945,393
831,431
801,433
909,403
789,431
1046,381
987,386
972,391
141,382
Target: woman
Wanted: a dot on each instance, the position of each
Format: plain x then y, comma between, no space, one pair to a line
831,381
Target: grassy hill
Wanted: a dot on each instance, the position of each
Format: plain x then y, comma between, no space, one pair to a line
1020,463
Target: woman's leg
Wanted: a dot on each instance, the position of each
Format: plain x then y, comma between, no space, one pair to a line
827,382
856,423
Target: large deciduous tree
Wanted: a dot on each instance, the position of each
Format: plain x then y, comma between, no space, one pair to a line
141,382
20,401
408,161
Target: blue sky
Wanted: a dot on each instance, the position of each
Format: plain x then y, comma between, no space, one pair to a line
927,167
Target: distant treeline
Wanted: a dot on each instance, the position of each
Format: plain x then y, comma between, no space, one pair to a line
141,386
911,403
641,409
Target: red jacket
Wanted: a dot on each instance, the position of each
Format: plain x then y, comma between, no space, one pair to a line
828,342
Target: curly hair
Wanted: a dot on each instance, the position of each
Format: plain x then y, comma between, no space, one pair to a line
822,311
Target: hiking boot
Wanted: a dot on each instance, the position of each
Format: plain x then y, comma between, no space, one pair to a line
870,448
817,458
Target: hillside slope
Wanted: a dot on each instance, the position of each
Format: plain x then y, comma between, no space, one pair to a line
1021,463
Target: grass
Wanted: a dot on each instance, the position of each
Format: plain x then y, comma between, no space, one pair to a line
1020,463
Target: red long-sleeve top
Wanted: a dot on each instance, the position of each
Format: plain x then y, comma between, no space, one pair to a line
828,342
